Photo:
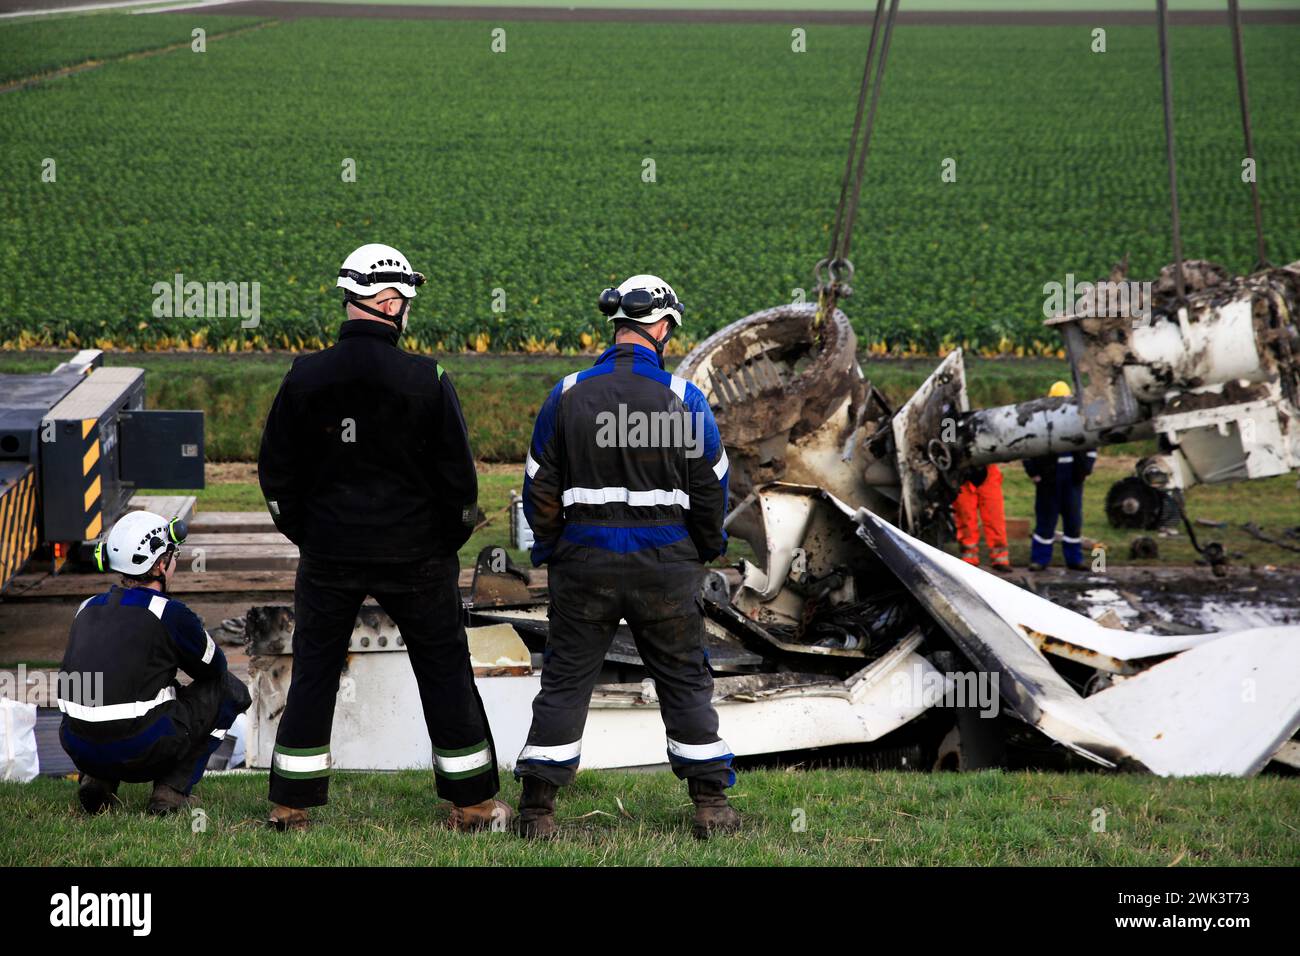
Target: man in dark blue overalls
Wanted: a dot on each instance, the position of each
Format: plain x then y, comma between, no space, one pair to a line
1058,493
625,490
126,717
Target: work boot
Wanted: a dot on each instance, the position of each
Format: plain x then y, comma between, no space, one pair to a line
165,800
1003,567
1077,567
537,809
285,819
96,795
712,812
480,816
1035,566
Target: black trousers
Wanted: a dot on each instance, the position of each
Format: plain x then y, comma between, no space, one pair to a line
423,599
660,600
195,723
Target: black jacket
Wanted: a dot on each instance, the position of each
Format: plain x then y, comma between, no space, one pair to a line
626,457
125,648
1063,467
365,456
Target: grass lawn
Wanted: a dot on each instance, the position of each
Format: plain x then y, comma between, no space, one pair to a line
1272,503
852,817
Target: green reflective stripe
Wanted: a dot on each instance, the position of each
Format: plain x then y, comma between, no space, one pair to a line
465,762
462,774
440,371
302,751
298,763
463,751
300,775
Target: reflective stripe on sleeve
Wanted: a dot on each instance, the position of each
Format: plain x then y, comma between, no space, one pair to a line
210,650
569,381
531,466
678,387
720,469
157,605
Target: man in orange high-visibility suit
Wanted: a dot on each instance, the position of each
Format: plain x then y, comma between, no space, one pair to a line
980,498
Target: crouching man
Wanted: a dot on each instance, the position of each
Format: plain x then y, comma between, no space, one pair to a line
126,717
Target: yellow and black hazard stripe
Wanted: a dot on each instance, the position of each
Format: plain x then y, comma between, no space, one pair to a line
92,483
18,533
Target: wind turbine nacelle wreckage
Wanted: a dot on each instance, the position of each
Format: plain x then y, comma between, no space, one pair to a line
75,444
1214,378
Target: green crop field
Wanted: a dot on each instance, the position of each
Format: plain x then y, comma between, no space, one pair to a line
515,179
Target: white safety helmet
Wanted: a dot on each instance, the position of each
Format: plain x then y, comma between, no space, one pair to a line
644,299
138,540
374,267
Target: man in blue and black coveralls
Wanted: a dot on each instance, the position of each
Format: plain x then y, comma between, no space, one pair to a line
626,491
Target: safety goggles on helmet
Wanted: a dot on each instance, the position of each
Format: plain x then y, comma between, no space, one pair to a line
638,303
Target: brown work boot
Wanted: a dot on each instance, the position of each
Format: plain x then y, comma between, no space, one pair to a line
284,818
491,814
712,812
537,809
165,800
97,795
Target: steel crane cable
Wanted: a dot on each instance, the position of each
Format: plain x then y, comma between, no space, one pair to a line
1162,18
1234,20
837,265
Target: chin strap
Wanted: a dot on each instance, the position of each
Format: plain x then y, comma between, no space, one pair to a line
398,320
657,344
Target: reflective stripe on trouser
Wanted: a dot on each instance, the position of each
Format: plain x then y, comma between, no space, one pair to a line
590,592
1066,501
423,600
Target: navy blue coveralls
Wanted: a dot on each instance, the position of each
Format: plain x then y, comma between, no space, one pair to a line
625,490
126,717
1059,493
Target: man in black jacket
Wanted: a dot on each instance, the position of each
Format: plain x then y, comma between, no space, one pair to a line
126,717
366,466
625,490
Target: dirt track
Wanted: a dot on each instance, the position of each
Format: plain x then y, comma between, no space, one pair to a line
974,17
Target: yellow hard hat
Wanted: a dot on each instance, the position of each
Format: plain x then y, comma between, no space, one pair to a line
1059,390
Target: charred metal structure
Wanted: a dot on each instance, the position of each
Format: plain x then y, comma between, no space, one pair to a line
1214,377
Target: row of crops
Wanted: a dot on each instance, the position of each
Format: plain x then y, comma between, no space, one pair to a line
517,180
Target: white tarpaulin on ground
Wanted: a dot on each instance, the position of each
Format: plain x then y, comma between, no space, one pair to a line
18,761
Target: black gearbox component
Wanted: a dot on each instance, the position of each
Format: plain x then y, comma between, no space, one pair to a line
1132,503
